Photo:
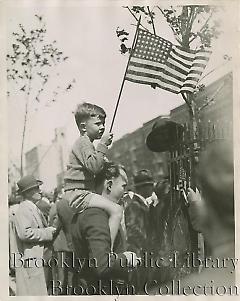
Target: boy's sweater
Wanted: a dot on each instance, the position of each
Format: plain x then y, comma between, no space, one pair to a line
84,162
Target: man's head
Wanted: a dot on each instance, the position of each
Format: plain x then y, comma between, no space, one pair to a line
112,181
90,120
28,187
143,182
162,187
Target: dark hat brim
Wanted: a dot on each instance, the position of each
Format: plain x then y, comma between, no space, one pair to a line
164,137
19,191
143,183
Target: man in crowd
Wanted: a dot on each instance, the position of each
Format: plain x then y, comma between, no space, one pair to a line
60,215
137,221
137,209
92,242
31,233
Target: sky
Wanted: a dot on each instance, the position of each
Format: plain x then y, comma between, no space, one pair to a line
86,34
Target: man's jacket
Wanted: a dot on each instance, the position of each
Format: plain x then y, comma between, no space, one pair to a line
91,243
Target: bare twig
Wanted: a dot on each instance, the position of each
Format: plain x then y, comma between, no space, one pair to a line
212,98
25,120
175,34
201,29
135,17
150,14
219,66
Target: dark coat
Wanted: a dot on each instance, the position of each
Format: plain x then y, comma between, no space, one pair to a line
137,224
91,243
65,215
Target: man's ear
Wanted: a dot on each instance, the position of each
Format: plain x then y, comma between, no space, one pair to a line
82,127
109,185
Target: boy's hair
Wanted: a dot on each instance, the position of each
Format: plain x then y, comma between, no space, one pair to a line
87,110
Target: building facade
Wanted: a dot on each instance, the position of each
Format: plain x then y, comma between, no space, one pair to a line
47,163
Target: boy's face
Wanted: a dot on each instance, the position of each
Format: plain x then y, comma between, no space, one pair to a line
95,127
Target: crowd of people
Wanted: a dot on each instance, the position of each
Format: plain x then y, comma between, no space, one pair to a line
96,236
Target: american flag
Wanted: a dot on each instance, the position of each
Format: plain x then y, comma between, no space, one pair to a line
157,62
182,183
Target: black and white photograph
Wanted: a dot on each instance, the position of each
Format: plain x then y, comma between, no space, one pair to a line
120,131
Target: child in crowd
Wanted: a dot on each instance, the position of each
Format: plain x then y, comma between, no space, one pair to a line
85,161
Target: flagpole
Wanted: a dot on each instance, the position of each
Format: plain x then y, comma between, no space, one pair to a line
120,92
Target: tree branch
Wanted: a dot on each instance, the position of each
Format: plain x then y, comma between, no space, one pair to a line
201,29
187,32
212,98
192,18
175,35
24,132
186,100
150,14
25,118
135,17
184,30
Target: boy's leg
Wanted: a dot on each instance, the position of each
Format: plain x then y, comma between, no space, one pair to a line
77,199
114,210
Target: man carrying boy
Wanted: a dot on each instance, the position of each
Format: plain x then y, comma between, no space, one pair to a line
104,273
85,162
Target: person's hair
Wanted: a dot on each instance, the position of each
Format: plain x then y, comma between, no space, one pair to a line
216,178
87,110
109,171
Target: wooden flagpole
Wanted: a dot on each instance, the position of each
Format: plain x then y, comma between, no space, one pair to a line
120,93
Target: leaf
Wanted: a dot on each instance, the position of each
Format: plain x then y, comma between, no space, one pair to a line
124,49
121,32
124,39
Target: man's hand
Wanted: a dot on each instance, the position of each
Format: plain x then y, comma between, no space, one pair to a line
132,259
197,210
193,196
107,139
53,229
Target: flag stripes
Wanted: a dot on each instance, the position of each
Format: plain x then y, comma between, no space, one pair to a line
157,62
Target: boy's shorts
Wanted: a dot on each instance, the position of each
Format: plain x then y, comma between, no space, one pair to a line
78,199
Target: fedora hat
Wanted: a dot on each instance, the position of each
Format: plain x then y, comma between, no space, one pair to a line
143,177
164,135
26,183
